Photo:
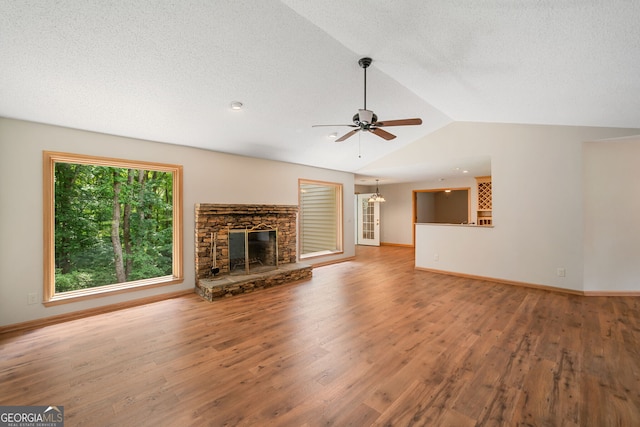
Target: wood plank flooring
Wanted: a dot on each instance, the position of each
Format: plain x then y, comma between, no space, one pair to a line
365,342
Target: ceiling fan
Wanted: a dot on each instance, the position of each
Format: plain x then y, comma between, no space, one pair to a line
366,120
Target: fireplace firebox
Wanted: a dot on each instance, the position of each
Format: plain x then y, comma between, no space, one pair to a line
253,250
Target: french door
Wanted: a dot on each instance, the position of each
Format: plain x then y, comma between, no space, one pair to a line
368,214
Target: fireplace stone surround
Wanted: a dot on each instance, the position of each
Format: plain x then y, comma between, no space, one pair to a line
216,220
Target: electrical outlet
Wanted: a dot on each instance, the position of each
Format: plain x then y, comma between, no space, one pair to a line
32,298
561,272
436,257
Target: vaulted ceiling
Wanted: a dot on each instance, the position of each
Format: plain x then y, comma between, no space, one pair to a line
168,71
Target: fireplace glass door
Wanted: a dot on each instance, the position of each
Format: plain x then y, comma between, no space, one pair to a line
252,251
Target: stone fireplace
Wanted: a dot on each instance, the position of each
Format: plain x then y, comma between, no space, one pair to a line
241,248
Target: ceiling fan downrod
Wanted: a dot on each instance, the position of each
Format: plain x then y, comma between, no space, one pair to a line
364,64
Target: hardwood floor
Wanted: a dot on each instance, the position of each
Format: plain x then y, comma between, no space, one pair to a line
365,342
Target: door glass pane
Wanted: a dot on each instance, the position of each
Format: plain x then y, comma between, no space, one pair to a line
368,230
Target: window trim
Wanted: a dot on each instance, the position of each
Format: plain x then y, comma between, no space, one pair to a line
50,298
339,221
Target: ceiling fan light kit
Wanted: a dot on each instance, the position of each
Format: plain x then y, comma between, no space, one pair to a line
367,120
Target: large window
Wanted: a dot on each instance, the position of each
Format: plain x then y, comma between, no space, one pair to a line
320,220
110,226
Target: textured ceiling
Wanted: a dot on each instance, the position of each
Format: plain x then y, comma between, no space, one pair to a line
167,71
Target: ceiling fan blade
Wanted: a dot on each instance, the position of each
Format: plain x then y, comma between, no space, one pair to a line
317,126
402,122
382,133
347,135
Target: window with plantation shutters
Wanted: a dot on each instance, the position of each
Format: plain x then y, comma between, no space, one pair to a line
320,218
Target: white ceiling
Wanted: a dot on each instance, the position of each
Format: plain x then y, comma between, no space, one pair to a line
168,71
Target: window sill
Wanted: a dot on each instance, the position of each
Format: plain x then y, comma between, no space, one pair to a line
108,290
320,254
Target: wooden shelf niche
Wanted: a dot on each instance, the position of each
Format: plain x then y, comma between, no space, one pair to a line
485,216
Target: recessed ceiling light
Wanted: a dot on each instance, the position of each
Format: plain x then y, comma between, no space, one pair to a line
333,135
236,105
465,171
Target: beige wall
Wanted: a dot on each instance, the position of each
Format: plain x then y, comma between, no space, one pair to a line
548,207
538,206
612,215
209,177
